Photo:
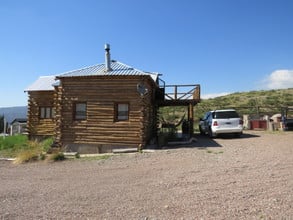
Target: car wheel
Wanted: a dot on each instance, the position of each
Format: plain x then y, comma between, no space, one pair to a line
238,135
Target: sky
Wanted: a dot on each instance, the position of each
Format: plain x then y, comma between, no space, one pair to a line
225,46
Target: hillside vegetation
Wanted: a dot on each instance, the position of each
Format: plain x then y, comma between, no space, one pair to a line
254,103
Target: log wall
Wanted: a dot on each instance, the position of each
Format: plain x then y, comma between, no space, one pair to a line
100,128
37,127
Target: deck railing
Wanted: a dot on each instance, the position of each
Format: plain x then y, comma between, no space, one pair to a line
182,92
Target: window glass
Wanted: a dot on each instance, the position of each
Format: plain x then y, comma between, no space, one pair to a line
80,111
48,112
227,114
122,112
206,116
43,112
53,113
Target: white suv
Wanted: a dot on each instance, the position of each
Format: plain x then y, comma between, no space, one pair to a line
221,122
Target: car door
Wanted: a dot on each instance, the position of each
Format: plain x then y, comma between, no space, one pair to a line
205,124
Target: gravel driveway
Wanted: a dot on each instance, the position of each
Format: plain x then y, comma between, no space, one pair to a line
225,178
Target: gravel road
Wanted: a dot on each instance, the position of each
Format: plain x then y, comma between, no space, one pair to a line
226,178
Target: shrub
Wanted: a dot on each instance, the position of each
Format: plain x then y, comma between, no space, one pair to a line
59,156
42,156
30,152
46,144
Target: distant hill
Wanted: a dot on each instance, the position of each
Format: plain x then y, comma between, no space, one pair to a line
11,113
253,102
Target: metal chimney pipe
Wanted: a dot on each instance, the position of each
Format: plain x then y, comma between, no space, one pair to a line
107,58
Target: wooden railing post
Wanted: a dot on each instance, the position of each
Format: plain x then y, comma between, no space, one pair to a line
188,93
190,119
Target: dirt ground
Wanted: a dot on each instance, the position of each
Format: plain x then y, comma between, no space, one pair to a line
226,178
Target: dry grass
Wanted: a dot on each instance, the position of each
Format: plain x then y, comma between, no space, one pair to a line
33,152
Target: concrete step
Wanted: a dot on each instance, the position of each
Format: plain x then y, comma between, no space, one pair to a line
124,150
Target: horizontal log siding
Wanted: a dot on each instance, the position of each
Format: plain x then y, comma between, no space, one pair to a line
101,94
39,127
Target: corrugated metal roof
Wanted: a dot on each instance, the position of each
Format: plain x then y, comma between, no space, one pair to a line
118,69
47,83
43,83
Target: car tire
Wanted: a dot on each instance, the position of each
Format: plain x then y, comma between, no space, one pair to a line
238,135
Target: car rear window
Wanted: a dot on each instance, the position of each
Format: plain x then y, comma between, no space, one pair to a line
228,114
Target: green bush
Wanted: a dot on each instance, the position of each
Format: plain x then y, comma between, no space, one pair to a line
58,156
46,144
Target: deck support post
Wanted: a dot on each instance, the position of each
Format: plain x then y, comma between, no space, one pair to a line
190,119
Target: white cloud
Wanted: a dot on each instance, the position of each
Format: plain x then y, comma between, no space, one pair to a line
279,79
214,95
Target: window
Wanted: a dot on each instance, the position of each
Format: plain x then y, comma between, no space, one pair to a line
225,114
46,112
121,112
80,111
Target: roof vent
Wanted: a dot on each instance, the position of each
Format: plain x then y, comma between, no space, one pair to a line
107,58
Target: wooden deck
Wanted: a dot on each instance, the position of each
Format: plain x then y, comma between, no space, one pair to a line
179,95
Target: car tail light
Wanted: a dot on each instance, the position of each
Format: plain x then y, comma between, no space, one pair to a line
241,122
215,123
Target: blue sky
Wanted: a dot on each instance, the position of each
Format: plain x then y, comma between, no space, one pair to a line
224,45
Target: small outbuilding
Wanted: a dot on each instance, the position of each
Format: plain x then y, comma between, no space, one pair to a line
18,126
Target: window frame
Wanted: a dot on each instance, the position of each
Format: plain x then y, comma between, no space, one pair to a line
79,117
116,112
46,112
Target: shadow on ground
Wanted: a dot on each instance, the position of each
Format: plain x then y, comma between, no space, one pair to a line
231,136
203,141
198,141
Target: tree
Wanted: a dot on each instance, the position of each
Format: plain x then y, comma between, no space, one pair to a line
1,124
2,127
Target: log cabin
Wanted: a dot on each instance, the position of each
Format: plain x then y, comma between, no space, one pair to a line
41,110
98,108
